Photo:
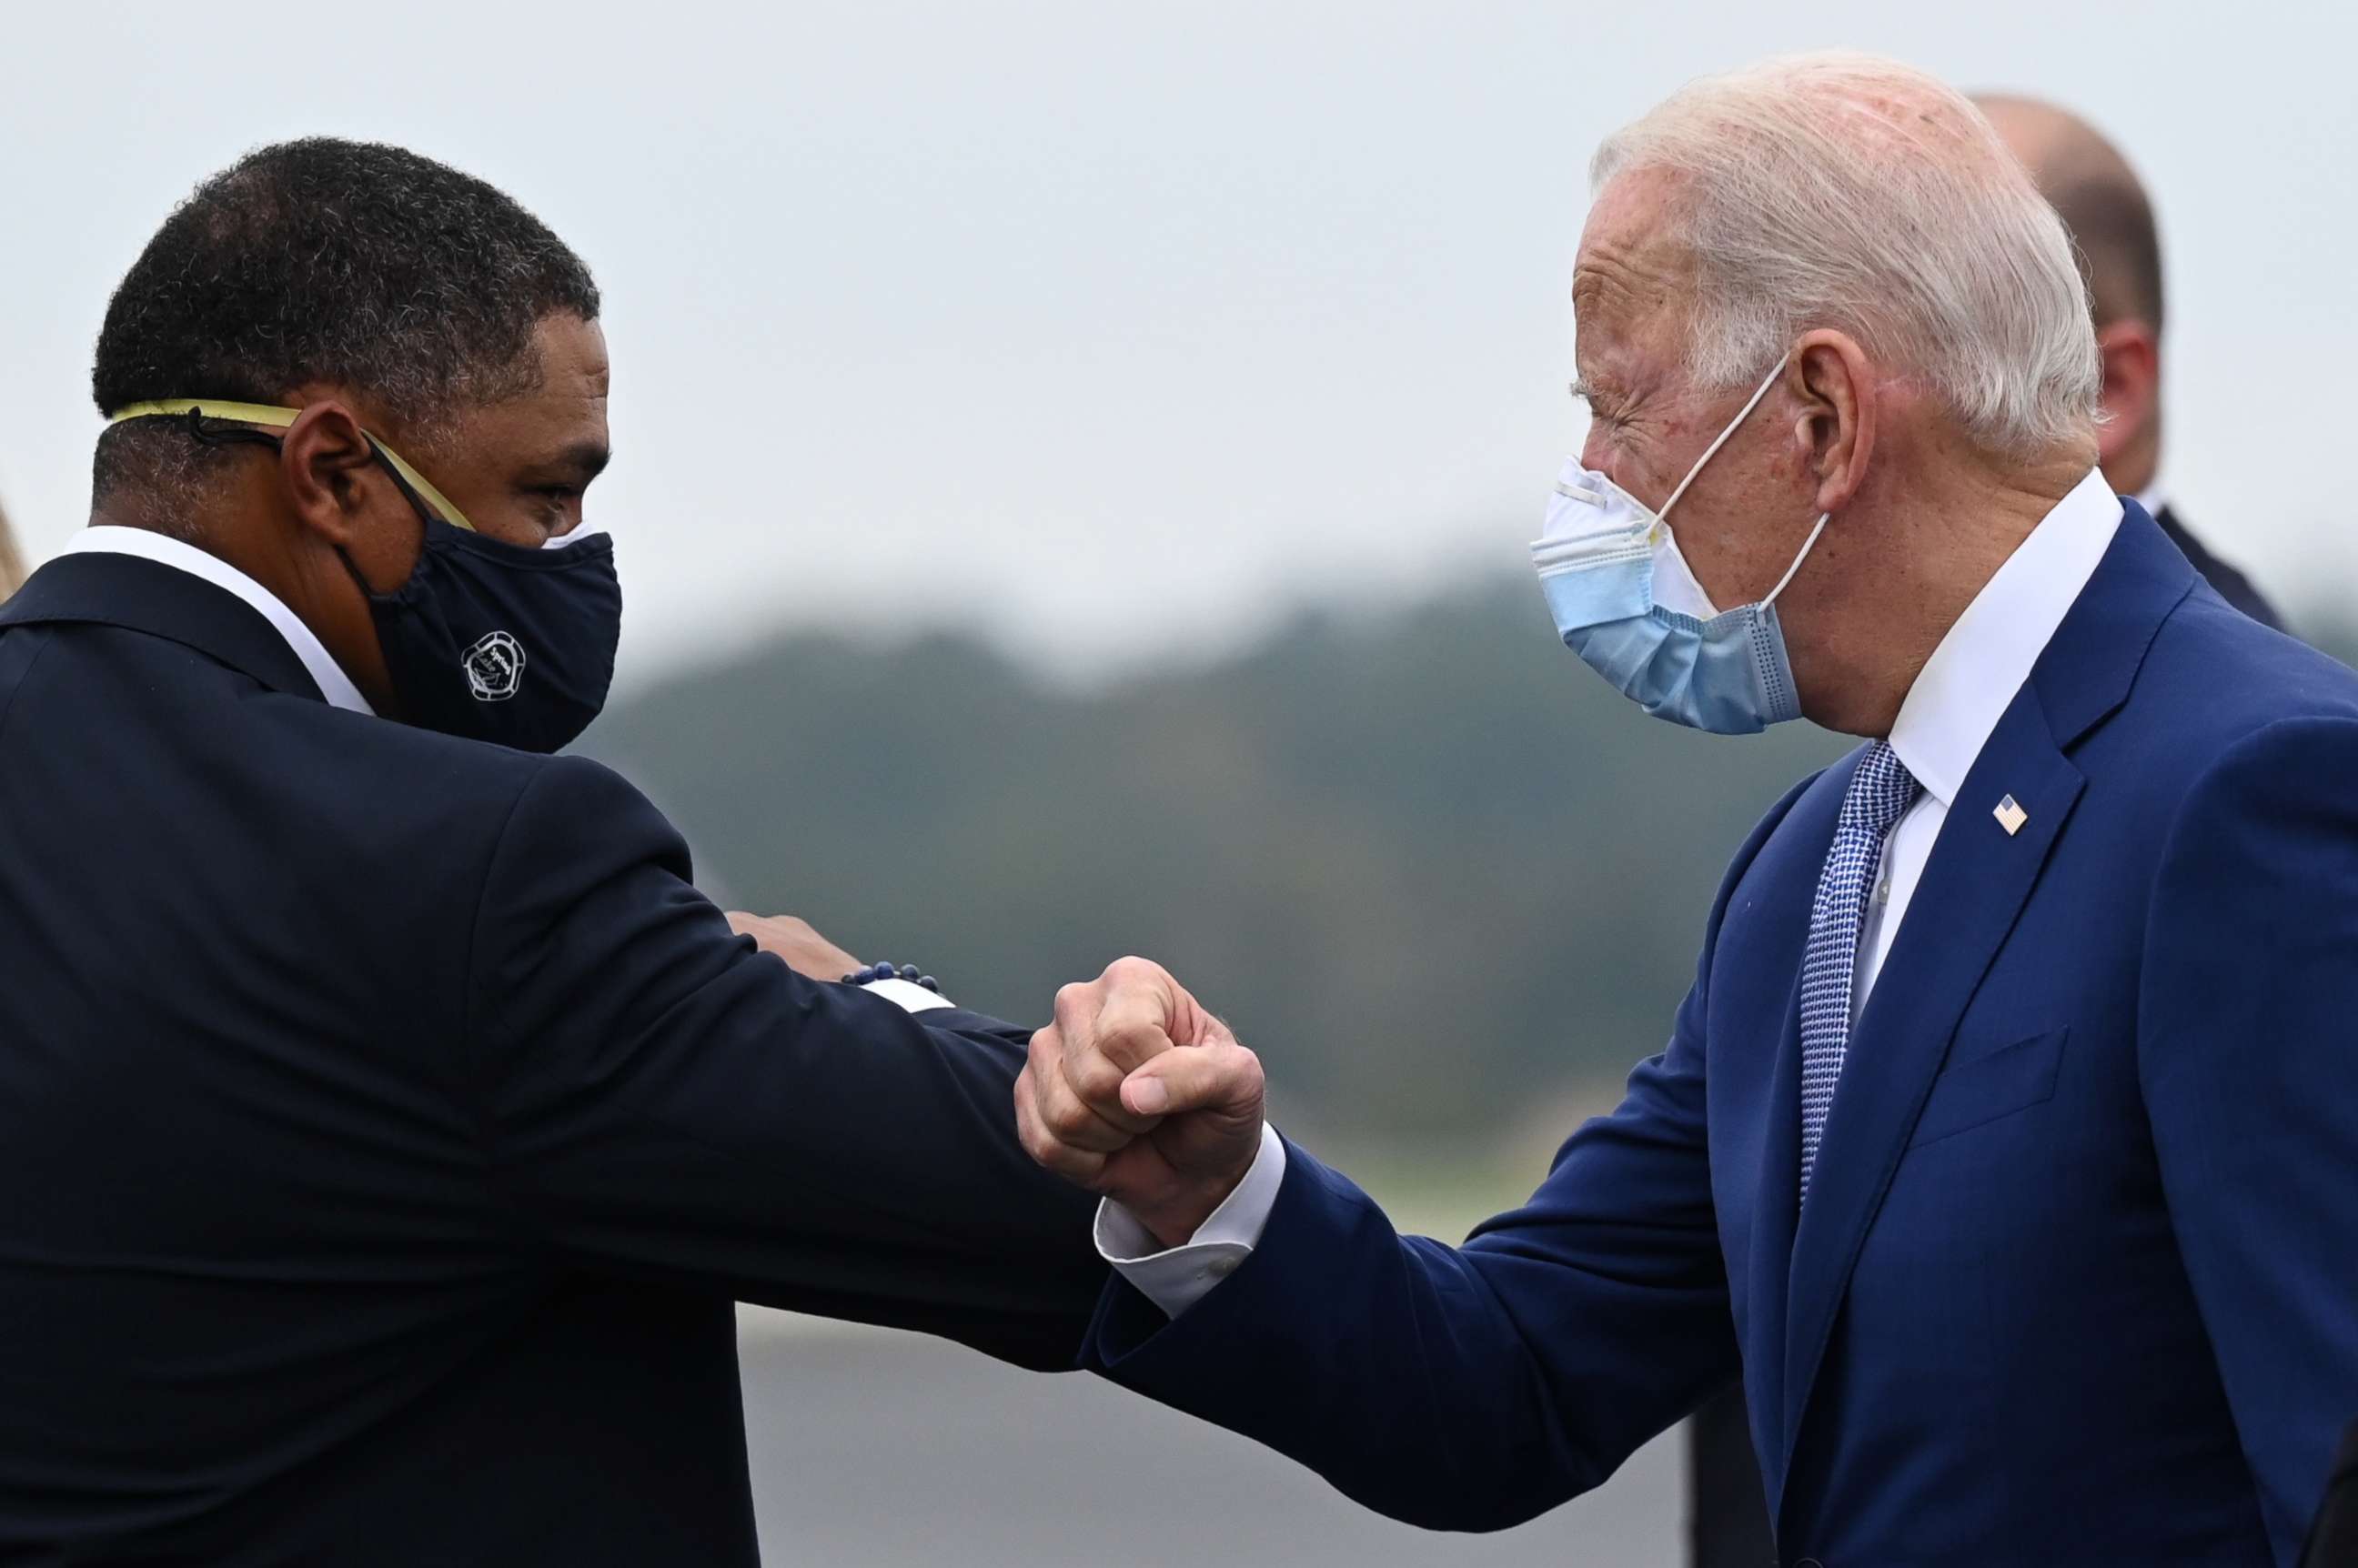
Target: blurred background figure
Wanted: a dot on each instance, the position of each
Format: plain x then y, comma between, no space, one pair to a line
2105,207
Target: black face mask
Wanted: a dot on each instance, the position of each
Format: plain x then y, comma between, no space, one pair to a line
488,641
499,643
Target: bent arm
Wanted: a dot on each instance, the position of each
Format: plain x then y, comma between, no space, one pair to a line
1465,1387
662,1100
1472,1388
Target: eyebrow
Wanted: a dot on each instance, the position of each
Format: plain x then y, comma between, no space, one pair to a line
579,464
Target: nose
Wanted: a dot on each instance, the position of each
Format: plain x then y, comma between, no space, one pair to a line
1596,453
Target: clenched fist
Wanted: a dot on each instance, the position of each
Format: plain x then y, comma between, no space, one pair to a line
1138,1093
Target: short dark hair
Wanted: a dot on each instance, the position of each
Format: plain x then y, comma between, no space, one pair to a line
324,260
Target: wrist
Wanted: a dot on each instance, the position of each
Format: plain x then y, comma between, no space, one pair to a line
871,974
1174,1221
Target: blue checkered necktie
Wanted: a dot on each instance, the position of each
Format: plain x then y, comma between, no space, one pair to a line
1880,794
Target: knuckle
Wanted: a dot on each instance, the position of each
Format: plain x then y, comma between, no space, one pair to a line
1132,969
1077,1166
1096,1080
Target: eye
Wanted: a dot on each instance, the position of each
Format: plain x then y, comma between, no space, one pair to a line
1601,407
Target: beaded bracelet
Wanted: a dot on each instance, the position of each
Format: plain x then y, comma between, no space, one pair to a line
909,972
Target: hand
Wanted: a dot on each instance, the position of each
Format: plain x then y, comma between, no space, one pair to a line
805,950
1138,1093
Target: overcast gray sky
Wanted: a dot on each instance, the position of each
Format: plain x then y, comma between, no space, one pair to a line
1114,329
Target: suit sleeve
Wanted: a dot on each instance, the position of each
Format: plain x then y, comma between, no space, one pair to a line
2249,1056
662,1100
1473,1387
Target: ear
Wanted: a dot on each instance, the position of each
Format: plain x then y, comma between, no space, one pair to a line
2131,353
1834,431
322,457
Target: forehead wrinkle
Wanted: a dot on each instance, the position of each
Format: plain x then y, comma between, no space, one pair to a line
1624,297
1612,286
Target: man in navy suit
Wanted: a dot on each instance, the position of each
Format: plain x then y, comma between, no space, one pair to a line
2003,1146
2110,217
387,1125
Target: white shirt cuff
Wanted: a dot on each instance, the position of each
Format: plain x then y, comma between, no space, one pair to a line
912,997
1175,1278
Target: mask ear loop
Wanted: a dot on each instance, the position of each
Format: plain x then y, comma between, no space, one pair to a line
1733,426
417,503
220,433
1794,570
1708,453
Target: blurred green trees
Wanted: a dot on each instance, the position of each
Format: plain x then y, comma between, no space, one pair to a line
1430,867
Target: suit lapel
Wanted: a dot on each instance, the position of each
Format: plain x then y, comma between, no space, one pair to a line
1972,888
1975,885
1776,1193
1775,1213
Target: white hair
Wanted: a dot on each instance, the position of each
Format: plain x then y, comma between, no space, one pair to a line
1849,191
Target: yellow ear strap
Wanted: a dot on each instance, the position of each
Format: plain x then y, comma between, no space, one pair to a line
271,413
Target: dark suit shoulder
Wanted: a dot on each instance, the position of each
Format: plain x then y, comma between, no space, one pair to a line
2226,580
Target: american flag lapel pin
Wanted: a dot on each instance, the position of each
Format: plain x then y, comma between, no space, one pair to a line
2010,816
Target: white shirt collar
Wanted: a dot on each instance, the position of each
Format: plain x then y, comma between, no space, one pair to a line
106,539
1966,685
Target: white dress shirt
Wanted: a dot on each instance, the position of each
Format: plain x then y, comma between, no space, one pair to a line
1946,720
107,539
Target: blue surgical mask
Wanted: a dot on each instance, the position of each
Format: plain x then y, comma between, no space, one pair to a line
1625,601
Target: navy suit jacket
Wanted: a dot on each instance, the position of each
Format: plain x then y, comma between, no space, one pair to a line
388,1126
2232,585
2077,1282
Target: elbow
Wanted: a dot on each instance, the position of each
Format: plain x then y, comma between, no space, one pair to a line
1479,1499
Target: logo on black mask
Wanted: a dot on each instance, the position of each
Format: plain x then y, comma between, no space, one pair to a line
494,667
